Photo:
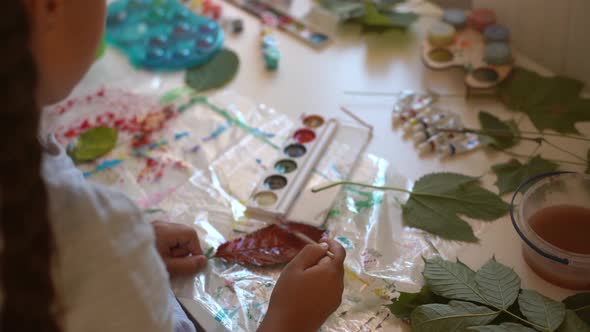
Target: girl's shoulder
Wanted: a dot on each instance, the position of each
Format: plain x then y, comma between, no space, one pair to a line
108,270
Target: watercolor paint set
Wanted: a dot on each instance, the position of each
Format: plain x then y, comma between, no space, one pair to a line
473,41
297,28
162,35
282,185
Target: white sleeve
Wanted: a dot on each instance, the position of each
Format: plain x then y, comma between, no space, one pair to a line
109,276
181,322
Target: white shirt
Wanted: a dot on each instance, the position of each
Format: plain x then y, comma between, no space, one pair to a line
108,275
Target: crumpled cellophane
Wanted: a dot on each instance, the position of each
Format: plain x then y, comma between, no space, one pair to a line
211,162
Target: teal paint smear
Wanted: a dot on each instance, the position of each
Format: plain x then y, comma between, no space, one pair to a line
182,135
103,166
231,119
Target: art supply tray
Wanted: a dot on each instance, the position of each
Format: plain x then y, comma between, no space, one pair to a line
487,63
162,34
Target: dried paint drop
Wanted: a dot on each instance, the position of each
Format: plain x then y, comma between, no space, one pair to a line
304,136
93,144
285,166
313,121
275,182
486,75
265,198
440,55
295,150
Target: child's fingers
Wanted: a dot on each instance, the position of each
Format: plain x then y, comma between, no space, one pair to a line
179,252
325,260
337,250
308,257
185,265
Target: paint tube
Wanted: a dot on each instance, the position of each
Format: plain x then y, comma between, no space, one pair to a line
450,122
402,117
435,142
431,120
410,105
470,143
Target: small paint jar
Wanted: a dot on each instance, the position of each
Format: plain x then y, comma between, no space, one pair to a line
496,33
441,34
455,17
479,19
560,266
497,53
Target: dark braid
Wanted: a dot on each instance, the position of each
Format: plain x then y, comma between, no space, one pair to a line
28,243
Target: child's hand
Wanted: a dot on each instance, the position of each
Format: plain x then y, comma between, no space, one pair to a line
308,291
179,247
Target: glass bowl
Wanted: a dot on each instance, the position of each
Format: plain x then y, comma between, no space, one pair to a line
556,265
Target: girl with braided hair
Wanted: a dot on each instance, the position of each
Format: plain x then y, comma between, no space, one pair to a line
76,256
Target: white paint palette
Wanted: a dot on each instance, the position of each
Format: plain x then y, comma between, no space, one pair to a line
284,191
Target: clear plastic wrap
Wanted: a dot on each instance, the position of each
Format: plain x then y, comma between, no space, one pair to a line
212,161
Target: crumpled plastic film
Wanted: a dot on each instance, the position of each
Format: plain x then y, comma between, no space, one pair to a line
215,151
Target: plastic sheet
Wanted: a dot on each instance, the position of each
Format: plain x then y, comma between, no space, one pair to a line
212,161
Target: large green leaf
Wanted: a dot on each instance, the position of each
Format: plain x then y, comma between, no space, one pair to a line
498,284
403,306
512,173
506,132
93,144
541,310
580,304
454,281
455,316
215,73
494,284
505,327
573,323
550,102
437,200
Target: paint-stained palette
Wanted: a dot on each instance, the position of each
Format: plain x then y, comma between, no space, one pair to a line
282,185
472,41
162,34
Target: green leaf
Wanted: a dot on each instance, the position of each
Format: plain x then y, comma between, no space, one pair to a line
561,116
550,102
580,304
491,123
498,284
573,323
437,199
454,281
93,144
494,284
513,173
375,19
215,73
506,327
455,316
403,306
541,310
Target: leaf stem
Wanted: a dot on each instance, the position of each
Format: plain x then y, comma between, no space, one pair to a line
344,183
507,133
564,150
415,193
522,156
523,320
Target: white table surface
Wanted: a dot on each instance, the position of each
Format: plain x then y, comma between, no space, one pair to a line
313,81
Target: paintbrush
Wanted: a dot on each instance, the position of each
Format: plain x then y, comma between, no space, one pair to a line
303,238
